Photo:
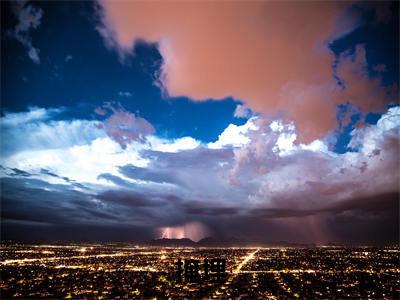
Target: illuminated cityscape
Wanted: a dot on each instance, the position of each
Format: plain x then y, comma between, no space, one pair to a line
128,271
199,149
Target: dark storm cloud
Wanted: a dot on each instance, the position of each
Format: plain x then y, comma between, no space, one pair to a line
281,212
327,189
60,209
129,198
47,172
374,204
194,209
297,195
143,207
37,201
139,189
378,223
147,174
115,179
349,222
18,172
192,170
371,219
66,179
100,214
55,212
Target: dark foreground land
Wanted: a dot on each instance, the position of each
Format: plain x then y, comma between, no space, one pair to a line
115,271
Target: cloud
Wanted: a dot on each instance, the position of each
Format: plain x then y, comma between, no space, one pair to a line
194,209
125,94
257,52
29,17
123,126
255,179
128,198
234,135
37,201
18,172
22,132
33,114
79,150
147,174
369,139
372,204
242,111
175,145
100,111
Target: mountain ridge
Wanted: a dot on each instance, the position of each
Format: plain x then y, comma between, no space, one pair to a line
229,242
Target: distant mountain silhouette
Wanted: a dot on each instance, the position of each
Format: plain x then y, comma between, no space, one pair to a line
229,242
172,243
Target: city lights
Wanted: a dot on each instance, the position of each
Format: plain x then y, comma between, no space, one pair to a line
117,271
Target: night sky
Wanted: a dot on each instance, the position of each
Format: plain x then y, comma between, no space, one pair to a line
134,120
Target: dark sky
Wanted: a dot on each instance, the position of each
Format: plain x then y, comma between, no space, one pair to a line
129,121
